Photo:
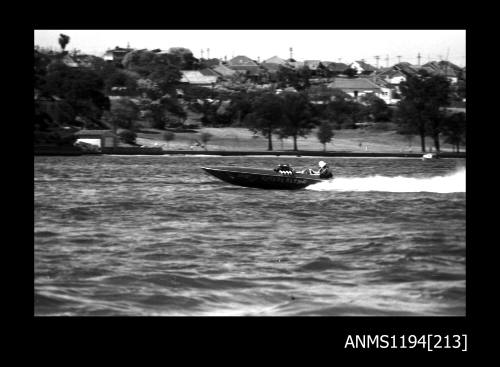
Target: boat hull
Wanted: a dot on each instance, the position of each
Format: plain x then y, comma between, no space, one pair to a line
262,179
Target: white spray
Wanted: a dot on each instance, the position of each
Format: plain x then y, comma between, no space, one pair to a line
454,182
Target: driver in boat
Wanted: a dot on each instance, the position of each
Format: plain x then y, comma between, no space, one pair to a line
324,170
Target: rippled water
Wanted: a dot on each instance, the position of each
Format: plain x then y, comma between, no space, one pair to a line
155,235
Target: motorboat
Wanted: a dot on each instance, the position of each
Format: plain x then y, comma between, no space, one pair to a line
280,178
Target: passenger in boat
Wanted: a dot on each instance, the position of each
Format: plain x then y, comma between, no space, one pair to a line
324,170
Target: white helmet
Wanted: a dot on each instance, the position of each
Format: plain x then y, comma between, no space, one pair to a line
321,164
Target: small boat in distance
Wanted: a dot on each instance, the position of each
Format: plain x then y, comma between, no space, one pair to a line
281,179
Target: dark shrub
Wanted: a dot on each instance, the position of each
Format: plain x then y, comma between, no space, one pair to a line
128,136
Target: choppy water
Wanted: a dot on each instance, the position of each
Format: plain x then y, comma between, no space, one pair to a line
155,235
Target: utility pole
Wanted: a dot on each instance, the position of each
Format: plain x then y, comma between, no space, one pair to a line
291,52
387,61
208,53
399,58
377,58
418,58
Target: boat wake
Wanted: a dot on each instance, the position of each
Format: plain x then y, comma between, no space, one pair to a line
454,182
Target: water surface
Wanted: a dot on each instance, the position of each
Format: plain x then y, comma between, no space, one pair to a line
155,235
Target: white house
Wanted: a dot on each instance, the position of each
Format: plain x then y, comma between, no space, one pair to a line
99,138
196,77
362,67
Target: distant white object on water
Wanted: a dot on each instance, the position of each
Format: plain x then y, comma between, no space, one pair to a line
428,156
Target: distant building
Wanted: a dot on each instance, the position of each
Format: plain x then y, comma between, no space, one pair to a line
69,61
337,67
358,87
100,138
198,78
224,71
392,76
362,67
443,68
117,54
244,64
276,60
295,64
312,64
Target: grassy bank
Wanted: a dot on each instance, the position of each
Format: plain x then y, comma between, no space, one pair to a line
241,139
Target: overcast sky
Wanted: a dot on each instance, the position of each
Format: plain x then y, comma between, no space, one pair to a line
326,45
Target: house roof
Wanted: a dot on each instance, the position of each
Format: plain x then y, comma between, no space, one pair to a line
365,66
312,64
196,77
209,72
241,61
223,70
275,60
296,64
271,67
338,66
353,84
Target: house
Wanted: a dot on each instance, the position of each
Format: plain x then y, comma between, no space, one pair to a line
69,61
100,138
276,60
224,71
444,68
273,68
117,54
358,87
392,76
244,64
337,67
295,64
312,64
362,67
198,78
209,72
406,68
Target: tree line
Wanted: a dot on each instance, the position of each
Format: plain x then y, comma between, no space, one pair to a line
144,87
422,111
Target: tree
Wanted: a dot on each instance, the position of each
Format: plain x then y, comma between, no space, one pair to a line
124,112
344,112
205,138
376,108
325,134
128,137
423,96
187,60
297,116
454,129
63,41
159,68
118,82
350,72
82,88
168,136
267,116
299,79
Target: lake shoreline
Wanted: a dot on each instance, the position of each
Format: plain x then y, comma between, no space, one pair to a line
299,153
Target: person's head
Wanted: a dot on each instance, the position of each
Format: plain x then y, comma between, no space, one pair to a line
321,164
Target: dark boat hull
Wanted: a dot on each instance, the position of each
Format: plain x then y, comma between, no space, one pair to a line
262,179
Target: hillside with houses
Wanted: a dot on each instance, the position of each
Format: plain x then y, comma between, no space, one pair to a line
131,97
